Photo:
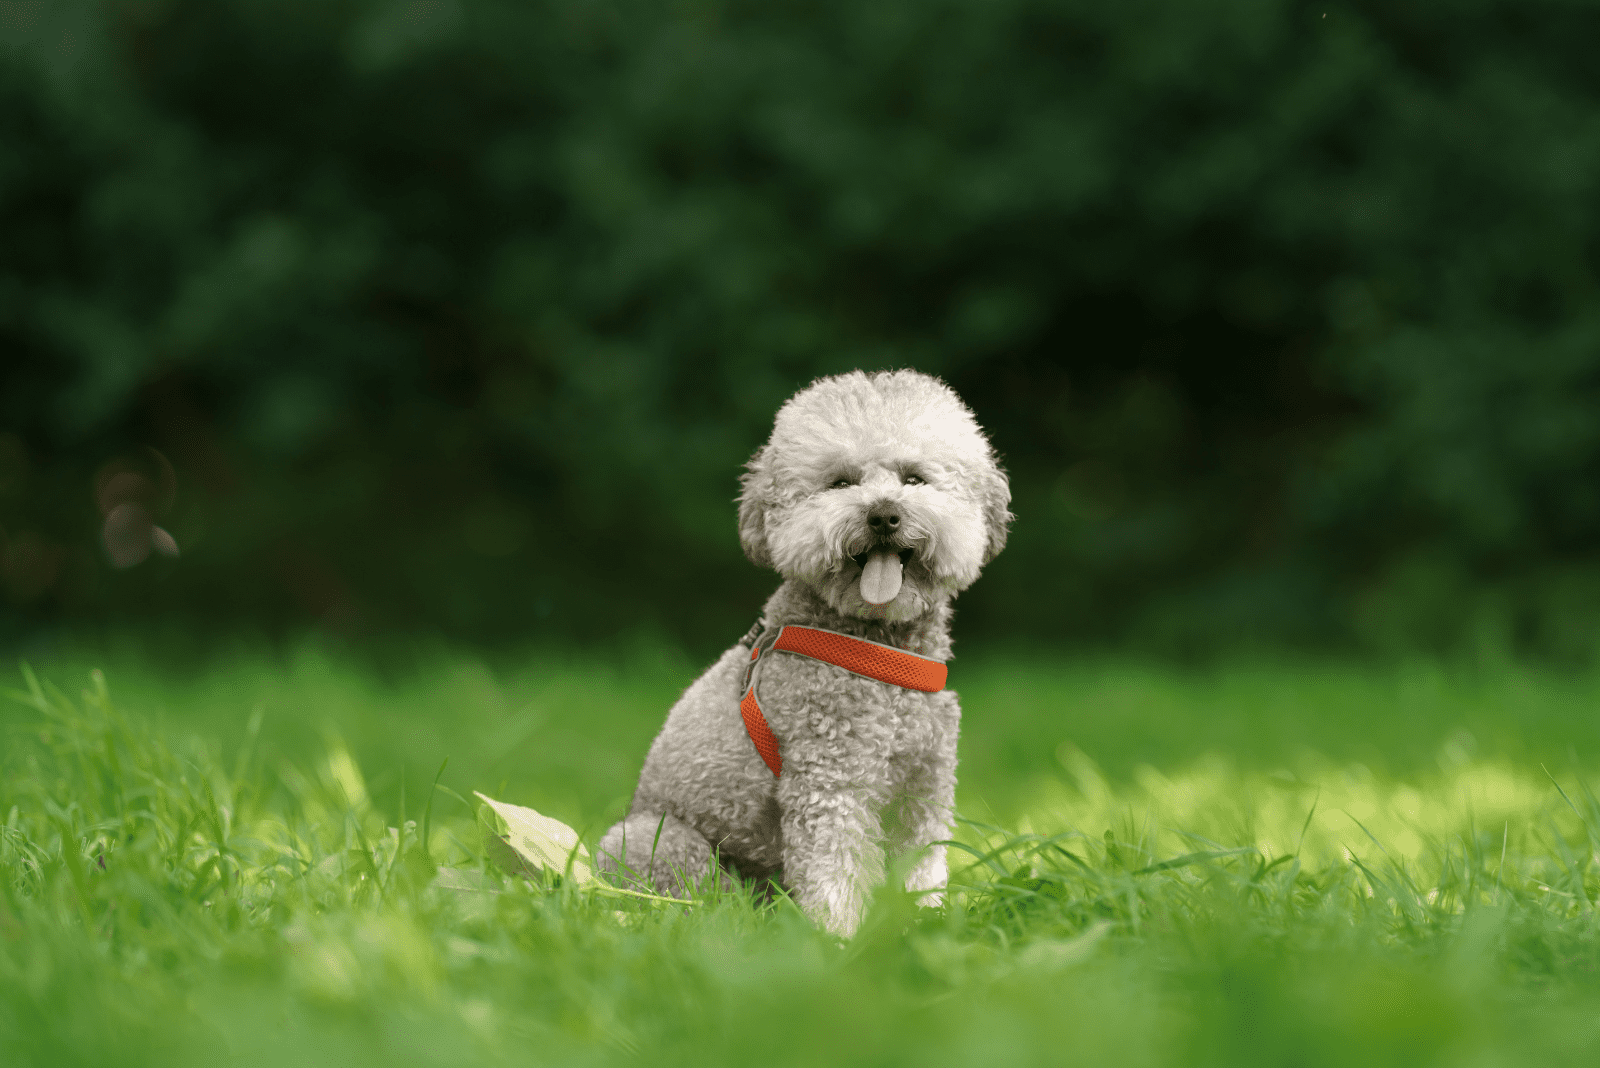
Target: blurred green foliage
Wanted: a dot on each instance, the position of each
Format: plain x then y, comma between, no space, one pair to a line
464,313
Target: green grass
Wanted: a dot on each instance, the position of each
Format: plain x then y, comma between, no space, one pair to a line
232,860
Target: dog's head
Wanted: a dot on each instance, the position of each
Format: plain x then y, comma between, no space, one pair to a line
879,491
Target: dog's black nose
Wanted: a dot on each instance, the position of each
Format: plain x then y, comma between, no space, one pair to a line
883,519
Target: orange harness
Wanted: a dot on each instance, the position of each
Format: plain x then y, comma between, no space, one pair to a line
856,655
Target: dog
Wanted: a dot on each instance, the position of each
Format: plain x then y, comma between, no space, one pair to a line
877,499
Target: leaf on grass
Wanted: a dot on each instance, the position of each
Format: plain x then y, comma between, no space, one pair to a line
528,843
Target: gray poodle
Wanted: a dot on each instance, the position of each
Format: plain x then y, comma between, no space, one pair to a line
878,499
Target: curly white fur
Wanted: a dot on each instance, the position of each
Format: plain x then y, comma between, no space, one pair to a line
868,767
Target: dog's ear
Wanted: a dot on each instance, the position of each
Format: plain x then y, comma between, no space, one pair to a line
995,494
756,485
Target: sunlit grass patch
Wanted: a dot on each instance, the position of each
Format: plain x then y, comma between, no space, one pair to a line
1477,813
165,901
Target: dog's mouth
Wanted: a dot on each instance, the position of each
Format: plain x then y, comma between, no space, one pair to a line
860,559
882,572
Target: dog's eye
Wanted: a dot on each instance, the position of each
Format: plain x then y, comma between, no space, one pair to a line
841,483
913,480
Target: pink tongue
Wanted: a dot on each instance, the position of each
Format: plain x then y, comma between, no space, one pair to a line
880,579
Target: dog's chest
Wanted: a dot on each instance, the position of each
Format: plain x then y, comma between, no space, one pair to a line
824,708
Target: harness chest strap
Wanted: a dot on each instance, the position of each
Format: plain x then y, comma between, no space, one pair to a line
872,660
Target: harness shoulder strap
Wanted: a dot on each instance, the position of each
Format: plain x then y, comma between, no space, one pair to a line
755,724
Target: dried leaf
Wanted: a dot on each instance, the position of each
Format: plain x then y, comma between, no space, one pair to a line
529,843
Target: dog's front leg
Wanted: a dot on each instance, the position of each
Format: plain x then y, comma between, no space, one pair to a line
924,815
831,852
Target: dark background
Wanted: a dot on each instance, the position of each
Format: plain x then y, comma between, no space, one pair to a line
461,317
